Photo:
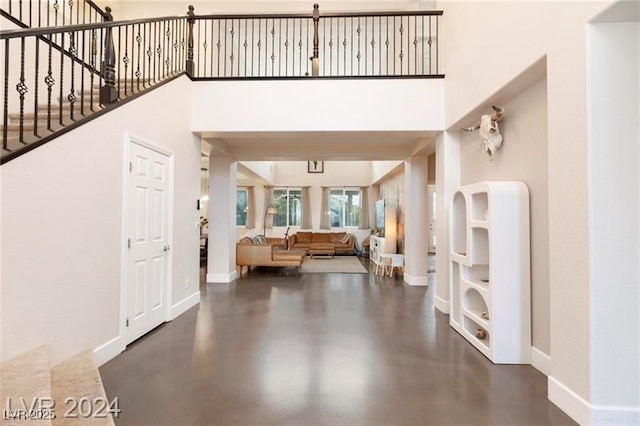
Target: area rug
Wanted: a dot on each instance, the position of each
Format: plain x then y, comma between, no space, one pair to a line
339,264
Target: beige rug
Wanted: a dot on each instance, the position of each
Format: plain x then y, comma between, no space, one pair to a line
339,264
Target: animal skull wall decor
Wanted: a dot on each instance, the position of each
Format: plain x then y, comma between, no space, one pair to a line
489,131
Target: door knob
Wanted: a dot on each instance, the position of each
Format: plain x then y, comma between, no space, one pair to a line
166,248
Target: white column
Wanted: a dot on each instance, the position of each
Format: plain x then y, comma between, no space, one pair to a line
221,259
447,180
416,221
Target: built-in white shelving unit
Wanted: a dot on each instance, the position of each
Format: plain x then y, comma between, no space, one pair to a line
388,243
489,269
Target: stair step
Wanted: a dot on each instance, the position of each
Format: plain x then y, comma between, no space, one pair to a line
26,376
78,377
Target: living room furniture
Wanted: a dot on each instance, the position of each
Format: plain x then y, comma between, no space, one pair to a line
489,275
263,254
378,247
390,262
322,249
344,243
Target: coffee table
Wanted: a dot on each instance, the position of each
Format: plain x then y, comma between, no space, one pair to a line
322,249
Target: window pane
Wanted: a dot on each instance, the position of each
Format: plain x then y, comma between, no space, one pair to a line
352,208
241,207
335,208
295,207
280,202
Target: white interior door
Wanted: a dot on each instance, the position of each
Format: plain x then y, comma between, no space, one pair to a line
431,189
148,240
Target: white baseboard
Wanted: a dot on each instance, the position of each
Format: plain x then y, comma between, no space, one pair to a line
587,414
442,305
568,401
541,361
184,305
107,351
416,280
222,278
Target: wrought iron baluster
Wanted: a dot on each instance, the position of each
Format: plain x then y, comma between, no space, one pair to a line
344,45
330,46
307,62
387,46
246,24
273,46
394,45
300,47
423,36
138,73
373,45
358,55
49,81
84,46
70,2
415,44
125,58
286,47
436,45
252,41
225,48
219,45
71,97
366,20
239,31
5,116
351,56
401,46
119,50
380,44
337,46
61,92
35,93
22,89
259,43
204,45
231,57
279,41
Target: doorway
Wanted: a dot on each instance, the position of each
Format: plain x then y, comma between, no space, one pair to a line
148,226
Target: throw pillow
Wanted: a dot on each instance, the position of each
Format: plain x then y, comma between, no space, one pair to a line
259,239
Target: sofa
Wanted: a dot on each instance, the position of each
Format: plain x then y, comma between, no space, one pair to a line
344,243
266,252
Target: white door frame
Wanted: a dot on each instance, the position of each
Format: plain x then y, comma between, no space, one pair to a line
130,139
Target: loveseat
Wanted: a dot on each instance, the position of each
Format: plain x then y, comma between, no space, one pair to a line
344,243
271,252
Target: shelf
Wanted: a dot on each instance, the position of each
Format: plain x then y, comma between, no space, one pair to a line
489,269
455,289
472,329
475,306
479,246
459,224
478,275
480,206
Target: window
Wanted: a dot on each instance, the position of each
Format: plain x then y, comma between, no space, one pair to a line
344,205
241,207
289,204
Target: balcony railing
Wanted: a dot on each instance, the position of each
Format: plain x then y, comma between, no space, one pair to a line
385,44
55,78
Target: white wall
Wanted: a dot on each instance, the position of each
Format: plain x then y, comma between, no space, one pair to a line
312,105
380,169
62,227
614,152
523,157
479,61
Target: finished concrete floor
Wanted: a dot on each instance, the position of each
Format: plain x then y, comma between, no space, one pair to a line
280,348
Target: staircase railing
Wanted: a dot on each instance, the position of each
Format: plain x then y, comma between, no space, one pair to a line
63,75
47,13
